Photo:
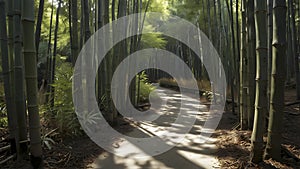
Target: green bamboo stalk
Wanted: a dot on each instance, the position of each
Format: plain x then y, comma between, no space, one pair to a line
133,48
49,54
298,29
257,143
270,35
233,56
273,148
86,15
290,52
15,142
30,61
53,58
251,62
294,46
222,34
100,80
216,28
208,19
19,80
107,65
122,49
10,105
74,32
238,53
39,26
243,71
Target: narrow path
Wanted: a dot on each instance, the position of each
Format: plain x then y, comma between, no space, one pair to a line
188,154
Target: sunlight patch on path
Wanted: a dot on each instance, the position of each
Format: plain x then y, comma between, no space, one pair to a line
189,153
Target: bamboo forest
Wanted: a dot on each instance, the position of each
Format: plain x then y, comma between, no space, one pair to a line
149,84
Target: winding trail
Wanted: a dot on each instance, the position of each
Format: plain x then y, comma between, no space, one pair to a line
188,154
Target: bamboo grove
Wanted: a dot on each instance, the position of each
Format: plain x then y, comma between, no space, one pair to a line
258,42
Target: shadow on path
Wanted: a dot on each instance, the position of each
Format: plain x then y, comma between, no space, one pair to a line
188,154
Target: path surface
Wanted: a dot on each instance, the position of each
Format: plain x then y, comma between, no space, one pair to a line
189,154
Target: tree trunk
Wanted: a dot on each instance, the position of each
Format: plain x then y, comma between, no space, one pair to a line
81,41
294,47
238,54
233,59
257,143
74,31
133,48
251,63
289,58
108,67
86,15
122,49
237,28
233,85
70,31
49,58
215,37
204,16
141,27
243,72
10,13
53,62
10,105
113,14
100,80
208,19
19,80
30,61
38,27
298,32
273,148
270,35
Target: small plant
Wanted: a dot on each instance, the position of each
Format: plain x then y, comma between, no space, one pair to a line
47,140
65,118
209,95
3,112
145,88
102,103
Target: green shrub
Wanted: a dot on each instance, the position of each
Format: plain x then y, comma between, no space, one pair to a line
65,118
145,88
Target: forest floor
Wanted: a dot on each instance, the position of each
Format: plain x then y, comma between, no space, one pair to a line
84,153
234,145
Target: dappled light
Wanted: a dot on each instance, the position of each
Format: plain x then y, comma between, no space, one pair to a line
149,84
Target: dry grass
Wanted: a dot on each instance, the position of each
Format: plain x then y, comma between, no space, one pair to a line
234,150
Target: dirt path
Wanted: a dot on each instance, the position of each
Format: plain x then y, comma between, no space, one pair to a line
189,154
